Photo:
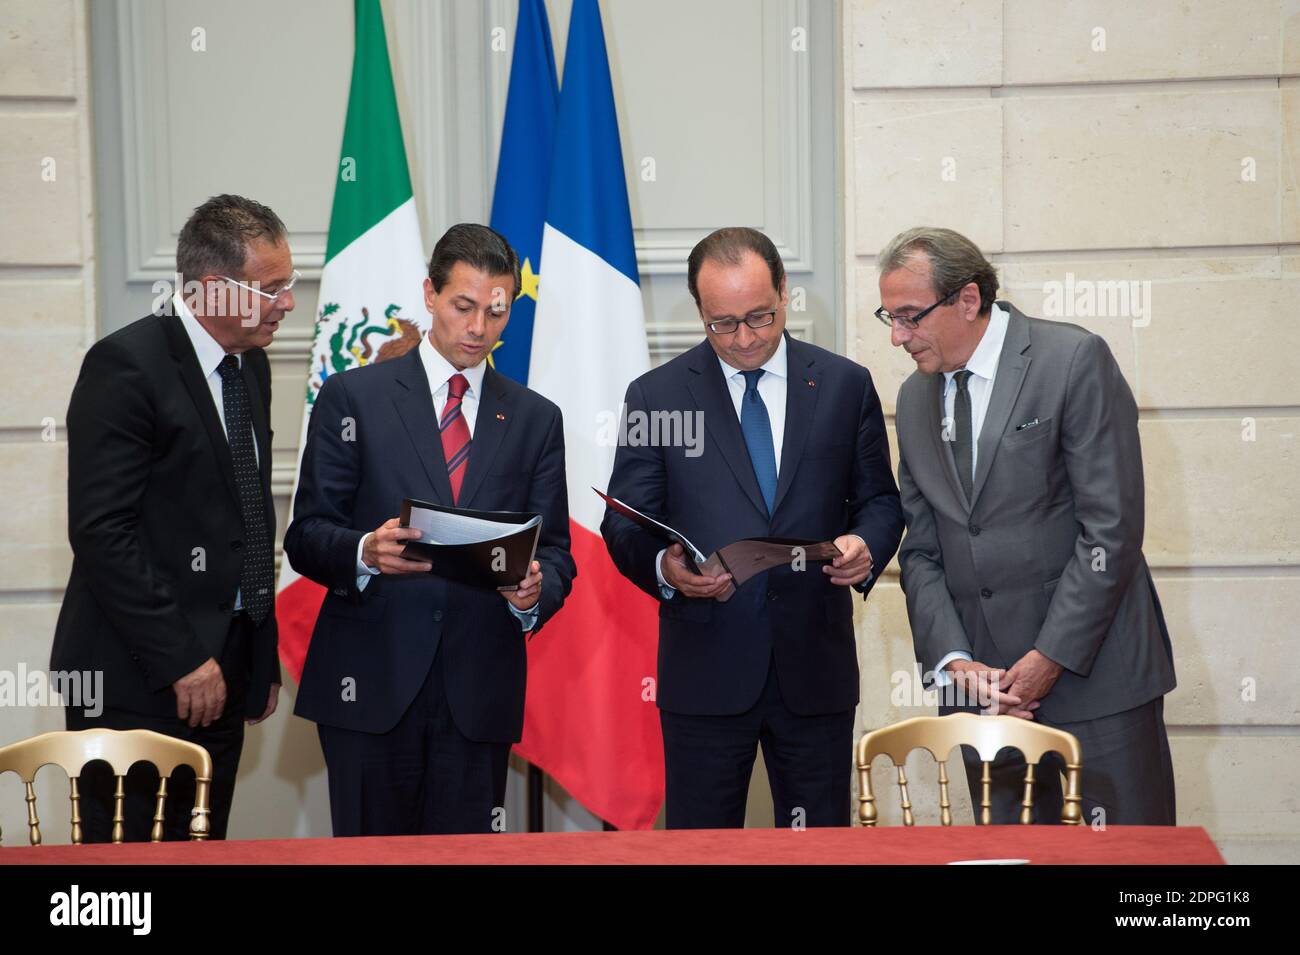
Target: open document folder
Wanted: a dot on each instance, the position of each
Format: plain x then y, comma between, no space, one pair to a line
741,559
488,549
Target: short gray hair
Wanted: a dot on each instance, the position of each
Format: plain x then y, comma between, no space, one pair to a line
215,239
954,259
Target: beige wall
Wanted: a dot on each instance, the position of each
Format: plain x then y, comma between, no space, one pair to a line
46,296
1169,157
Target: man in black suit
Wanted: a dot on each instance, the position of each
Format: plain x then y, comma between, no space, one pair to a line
796,448
172,592
416,682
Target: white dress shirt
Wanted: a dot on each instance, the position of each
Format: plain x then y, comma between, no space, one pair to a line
210,354
439,371
983,366
771,388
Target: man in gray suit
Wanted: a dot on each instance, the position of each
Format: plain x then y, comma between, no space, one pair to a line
1021,477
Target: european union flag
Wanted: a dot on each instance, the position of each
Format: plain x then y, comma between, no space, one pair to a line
523,174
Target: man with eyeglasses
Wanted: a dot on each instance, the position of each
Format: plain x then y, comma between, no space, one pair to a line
1021,474
795,448
170,517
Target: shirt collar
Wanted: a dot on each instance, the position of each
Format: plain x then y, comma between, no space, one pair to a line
439,370
776,365
983,362
206,348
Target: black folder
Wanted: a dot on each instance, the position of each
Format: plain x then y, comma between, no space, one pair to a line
491,550
742,559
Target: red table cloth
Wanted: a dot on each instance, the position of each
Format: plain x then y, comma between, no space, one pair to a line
1043,845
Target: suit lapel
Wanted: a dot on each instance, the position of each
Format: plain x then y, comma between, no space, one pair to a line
801,393
187,364
414,402
942,449
709,389
490,426
1012,365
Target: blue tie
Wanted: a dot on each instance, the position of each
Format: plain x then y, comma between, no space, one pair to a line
757,428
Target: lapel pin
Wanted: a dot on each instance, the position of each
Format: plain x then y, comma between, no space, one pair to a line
500,416
811,383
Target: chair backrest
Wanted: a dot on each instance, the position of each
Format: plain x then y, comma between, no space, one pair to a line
987,734
120,749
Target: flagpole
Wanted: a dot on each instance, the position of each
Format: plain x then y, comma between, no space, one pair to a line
536,787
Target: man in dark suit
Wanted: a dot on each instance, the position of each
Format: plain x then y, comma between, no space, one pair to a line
1021,474
796,448
172,593
416,682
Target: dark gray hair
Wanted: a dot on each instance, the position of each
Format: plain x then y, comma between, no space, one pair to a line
729,247
477,246
954,260
215,239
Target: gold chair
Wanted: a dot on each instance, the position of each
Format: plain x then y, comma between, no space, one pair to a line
120,749
987,734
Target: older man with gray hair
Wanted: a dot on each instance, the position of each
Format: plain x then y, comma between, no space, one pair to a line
1020,470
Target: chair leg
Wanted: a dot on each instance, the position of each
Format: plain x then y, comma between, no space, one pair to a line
159,811
866,798
119,816
986,800
908,818
75,796
33,821
199,824
1072,811
945,806
1027,803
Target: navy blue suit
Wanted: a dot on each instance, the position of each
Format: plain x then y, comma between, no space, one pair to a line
373,440
786,637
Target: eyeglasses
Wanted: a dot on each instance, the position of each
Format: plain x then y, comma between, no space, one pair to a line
911,321
728,326
294,276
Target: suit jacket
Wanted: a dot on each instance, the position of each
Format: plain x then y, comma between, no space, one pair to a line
834,478
384,637
1048,553
150,481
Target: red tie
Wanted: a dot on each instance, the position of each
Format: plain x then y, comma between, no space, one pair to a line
455,434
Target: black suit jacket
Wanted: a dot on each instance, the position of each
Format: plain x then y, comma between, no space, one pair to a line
835,478
154,520
383,637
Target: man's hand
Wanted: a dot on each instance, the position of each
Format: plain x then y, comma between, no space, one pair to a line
1032,676
853,564
990,688
383,549
272,699
680,577
201,695
530,589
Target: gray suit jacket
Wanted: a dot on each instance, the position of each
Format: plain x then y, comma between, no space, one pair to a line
1048,552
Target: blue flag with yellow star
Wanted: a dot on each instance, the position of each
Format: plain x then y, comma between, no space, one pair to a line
524,173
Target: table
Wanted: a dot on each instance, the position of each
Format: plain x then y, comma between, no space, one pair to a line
1049,845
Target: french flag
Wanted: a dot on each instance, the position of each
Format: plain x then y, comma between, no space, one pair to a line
591,720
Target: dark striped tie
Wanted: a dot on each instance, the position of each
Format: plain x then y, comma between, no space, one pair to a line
257,575
455,434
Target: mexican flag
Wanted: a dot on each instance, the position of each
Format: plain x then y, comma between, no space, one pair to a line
371,305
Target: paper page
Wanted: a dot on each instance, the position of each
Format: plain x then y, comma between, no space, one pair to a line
438,527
